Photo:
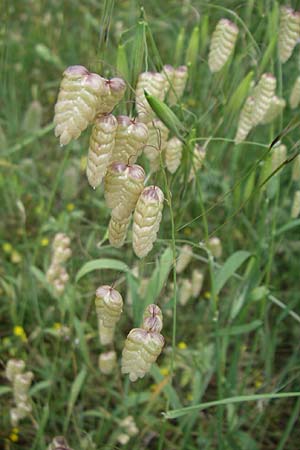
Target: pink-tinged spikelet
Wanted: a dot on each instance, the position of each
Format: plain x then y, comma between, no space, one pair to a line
131,137
222,44
289,31
109,307
173,154
155,84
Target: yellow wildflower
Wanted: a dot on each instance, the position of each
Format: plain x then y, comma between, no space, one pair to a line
164,371
13,437
207,295
189,396
187,231
7,247
20,332
57,325
44,242
182,345
70,207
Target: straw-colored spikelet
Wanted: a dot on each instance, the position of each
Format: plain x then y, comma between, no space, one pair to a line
197,282
184,258
168,72
143,345
173,154
129,428
198,158
57,275
21,385
179,80
295,94
296,169
14,367
289,31
185,291
59,443
131,137
114,90
215,247
157,141
245,121
263,94
122,187
276,106
278,156
117,231
146,220
77,101
107,362
102,142
109,306
296,205
154,83
222,44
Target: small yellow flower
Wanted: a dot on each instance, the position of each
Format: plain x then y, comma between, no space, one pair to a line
191,102
7,247
164,371
15,257
207,295
187,231
189,397
70,207
13,437
44,242
258,383
182,345
15,430
20,332
57,325
153,387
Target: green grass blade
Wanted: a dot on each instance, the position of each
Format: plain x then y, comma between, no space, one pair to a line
100,264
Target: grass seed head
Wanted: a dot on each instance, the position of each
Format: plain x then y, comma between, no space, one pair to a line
14,367
275,108
185,291
289,31
263,93
109,307
296,205
197,282
245,123
179,81
184,258
117,231
294,99
222,44
107,362
296,169
131,137
155,84
173,154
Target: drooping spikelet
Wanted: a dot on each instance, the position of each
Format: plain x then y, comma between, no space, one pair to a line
173,154
143,345
146,220
59,443
289,31
102,142
122,187
296,169
57,275
109,306
278,156
114,90
197,282
295,94
276,106
296,205
179,80
129,429
215,247
154,83
185,291
222,44
14,367
77,102
245,121
117,231
263,94
198,158
21,384
184,258
131,137
157,140
107,362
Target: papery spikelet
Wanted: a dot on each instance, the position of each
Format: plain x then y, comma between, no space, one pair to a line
168,72
185,291
157,141
278,156
184,258
128,424
109,306
296,169
289,31
142,347
21,385
146,220
101,146
180,77
77,102
13,368
59,443
296,205
113,92
122,187
198,158
173,154
295,94
152,319
276,106
154,83
222,44
131,137
57,275
215,247
245,121
20,412
107,362
117,231
197,282
263,93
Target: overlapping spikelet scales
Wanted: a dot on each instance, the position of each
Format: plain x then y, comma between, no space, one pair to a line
168,72
13,368
198,158
109,306
180,77
173,154
278,156
59,443
76,104
131,137
107,362
101,146
295,94
185,291
154,83
146,220
289,31
122,186
184,258
197,282
117,231
263,93
21,385
114,90
222,44
152,319
276,106
157,140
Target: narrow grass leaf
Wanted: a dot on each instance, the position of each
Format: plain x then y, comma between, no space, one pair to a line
179,47
240,329
5,390
122,62
170,393
159,276
229,268
82,342
75,391
287,227
238,97
39,387
100,264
